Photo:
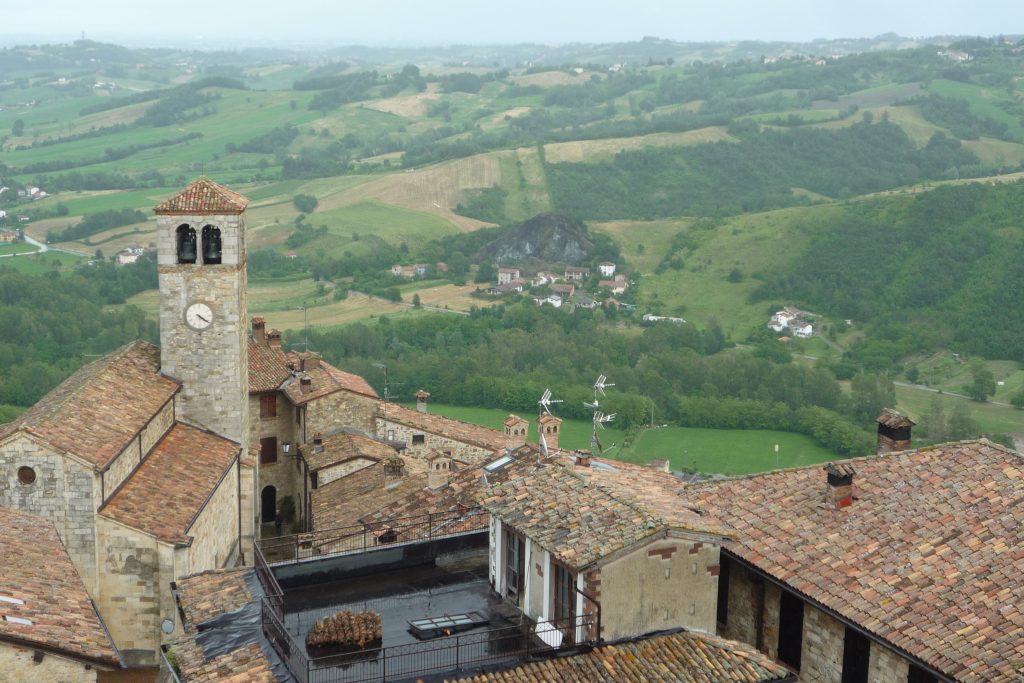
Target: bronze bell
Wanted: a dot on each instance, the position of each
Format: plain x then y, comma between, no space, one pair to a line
187,250
211,249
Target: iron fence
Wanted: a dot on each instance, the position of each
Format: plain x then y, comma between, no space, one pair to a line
359,538
466,651
271,588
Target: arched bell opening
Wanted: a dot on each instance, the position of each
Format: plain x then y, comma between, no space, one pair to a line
186,243
211,245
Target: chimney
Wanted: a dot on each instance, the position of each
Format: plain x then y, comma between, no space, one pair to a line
421,400
305,384
893,431
438,468
582,459
660,464
274,339
259,330
318,442
309,361
548,426
394,471
840,485
515,432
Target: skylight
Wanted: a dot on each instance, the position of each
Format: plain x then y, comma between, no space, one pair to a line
498,464
13,601
18,620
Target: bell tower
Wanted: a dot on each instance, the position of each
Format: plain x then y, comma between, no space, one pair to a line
201,262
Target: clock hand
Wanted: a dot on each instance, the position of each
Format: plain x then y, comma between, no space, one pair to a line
202,318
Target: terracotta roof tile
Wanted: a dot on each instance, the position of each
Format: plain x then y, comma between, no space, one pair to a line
97,411
325,379
208,595
164,495
203,197
582,514
246,664
37,571
681,657
929,557
341,446
343,502
482,437
268,367
894,419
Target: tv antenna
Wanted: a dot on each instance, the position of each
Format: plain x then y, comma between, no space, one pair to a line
600,418
546,401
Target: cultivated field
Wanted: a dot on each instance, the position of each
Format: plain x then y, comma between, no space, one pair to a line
603,150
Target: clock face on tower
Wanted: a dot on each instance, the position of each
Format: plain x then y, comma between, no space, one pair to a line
199,316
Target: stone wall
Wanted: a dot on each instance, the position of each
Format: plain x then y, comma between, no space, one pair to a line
460,451
746,605
770,624
885,666
284,474
821,658
340,409
64,492
212,364
135,570
16,666
335,472
125,462
215,531
663,584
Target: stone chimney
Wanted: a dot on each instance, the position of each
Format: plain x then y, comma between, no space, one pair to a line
394,471
421,400
259,330
439,466
305,384
515,432
840,485
318,442
309,361
893,431
582,459
549,426
274,339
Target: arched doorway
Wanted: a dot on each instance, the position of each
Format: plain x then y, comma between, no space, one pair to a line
268,504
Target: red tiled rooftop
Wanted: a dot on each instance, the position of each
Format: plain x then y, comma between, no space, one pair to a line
96,412
325,379
246,664
165,494
36,569
343,502
268,367
482,437
929,557
681,657
581,515
209,594
202,197
343,446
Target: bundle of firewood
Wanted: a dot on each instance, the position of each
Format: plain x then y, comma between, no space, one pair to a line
346,628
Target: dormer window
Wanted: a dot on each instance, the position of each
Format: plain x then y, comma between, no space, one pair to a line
186,238
211,245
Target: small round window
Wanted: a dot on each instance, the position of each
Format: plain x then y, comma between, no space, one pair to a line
26,476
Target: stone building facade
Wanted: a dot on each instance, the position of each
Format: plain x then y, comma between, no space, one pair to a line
140,459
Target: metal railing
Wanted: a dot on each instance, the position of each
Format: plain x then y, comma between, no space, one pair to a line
360,538
271,588
485,648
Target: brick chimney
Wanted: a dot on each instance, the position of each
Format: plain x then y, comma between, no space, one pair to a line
394,471
421,400
309,361
305,384
259,330
582,459
439,466
515,432
274,339
549,426
893,431
840,485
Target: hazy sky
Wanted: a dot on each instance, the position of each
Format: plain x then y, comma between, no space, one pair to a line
489,21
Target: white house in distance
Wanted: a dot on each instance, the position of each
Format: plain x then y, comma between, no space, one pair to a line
607,269
794,319
507,275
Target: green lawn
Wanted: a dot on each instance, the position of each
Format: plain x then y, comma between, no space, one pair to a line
724,451
20,248
37,264
993,419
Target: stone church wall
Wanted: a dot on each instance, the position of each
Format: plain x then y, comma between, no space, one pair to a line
18,666
63,493
215,530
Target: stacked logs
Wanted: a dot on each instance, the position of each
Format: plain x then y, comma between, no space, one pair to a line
346,629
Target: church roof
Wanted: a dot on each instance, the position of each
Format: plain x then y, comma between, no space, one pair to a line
39,585
928,557
683,657
170,488
203,197
96,412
